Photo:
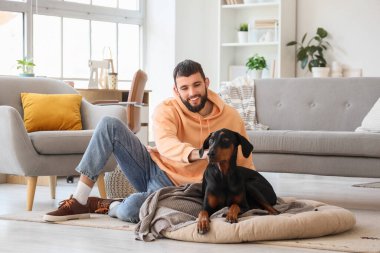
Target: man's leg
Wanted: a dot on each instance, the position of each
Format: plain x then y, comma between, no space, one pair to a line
110,136
129,209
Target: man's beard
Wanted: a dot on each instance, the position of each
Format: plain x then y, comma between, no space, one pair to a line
195,108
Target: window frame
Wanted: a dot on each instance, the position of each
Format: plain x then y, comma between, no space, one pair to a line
59,8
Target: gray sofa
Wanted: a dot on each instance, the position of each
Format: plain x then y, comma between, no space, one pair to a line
312,126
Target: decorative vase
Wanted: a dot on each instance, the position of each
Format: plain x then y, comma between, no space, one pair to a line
112,81
320,71
255,73
242,37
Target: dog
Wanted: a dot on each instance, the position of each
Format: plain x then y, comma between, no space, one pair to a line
226,184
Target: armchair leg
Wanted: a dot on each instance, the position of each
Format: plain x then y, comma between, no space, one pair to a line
101,186
53,185
30,191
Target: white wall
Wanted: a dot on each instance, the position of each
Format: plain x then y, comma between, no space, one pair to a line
159,55
354,30
197,34
177,30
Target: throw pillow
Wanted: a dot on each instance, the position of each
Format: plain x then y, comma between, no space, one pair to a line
44,112
371,122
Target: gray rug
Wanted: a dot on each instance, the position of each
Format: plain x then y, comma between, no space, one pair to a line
368,185
96,220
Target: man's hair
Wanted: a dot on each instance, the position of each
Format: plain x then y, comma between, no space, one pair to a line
187,68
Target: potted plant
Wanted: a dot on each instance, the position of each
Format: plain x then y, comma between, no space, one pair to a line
255,65
243,33
311,53
26,65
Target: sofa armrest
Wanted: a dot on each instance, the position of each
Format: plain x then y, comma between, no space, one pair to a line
92,114
16,148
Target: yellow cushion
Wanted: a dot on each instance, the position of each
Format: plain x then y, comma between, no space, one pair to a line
44,112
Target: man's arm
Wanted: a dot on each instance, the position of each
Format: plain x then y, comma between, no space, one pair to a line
165,127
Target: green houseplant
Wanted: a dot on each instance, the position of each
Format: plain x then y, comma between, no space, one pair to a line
243,33
26,65
243,27
311,53
255,65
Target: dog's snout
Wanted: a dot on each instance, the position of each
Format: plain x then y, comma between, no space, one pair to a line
211,153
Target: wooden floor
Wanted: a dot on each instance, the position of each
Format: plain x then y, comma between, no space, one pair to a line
18,236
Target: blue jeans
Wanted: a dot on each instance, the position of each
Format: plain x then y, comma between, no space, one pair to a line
112,136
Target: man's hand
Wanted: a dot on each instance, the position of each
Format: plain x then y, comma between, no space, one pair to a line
194,155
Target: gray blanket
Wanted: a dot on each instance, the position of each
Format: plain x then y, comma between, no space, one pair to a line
172,208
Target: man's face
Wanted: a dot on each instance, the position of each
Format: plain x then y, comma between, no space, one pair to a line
193,91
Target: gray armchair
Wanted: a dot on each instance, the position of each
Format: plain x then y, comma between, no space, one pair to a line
45,153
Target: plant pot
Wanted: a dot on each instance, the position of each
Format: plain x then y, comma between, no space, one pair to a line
255,73
242,37
320,71
26,75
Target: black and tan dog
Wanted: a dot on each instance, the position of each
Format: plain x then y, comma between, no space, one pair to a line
226,184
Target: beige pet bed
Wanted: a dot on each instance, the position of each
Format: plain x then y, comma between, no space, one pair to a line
326,220
171,212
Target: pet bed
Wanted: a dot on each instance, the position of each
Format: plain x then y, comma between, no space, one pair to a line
171,212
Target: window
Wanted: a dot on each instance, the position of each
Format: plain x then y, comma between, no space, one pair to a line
47,45
76,47
11,43
63,35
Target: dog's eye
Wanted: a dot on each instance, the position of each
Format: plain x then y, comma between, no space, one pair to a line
211,141
225,140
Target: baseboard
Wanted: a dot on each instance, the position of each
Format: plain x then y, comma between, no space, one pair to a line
3,178
12,179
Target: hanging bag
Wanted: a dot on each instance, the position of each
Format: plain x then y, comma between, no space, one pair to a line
111,82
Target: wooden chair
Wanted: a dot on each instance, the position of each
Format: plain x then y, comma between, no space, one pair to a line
116,184
134,103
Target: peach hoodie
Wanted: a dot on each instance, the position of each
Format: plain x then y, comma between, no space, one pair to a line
178,131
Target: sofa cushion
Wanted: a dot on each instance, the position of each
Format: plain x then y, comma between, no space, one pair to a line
61,142
44,112
371,122
316,143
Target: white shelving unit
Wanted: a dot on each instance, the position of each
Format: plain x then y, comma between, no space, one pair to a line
233,55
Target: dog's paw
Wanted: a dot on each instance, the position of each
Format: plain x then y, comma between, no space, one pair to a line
203,224
273,211
232,214
232,218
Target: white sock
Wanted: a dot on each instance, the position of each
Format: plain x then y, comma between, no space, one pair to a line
113,204
82,192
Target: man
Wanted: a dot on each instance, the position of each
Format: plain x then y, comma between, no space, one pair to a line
181,124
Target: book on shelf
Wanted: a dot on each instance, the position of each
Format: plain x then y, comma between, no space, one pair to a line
229,2
265,23
272,69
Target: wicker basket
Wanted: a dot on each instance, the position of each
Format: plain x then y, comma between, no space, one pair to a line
117,184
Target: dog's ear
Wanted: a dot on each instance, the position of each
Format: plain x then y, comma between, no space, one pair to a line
205,146
246,146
